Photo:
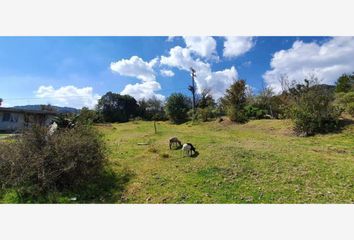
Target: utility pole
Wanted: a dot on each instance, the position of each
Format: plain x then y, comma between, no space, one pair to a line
192,89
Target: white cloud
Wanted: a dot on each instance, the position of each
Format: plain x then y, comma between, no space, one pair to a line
218,82
327,61
135,67
68,96
236,46
143,90
203,46
138,68
167,73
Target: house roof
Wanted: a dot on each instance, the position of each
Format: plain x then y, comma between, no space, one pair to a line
18,110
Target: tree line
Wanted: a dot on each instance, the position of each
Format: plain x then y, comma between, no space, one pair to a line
313,107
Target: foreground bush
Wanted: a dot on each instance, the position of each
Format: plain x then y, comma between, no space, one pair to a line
37,165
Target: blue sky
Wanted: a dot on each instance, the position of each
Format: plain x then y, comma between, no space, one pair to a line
75,71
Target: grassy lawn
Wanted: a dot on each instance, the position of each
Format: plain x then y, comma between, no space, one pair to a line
4,135
258,162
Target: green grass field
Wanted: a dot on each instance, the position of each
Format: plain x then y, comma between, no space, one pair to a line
258,162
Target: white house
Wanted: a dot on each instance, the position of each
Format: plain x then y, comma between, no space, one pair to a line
12,119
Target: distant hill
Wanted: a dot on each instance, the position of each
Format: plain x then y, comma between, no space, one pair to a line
56,108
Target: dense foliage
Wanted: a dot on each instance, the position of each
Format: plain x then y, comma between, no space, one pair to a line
345,83
37,164
117,108
151,109
235,101
177,107
312,108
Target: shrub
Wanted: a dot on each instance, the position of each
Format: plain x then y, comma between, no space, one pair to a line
177,107
350,108
36,164
254,112
237,115
313,110
346,101
205,114
88,116
345,83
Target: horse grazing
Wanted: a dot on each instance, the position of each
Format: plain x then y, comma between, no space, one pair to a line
189,148
175,142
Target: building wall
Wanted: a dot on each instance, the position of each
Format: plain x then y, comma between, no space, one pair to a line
16,121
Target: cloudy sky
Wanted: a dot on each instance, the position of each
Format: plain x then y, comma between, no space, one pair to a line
76,71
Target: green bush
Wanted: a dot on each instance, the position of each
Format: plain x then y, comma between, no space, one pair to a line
205,114
87,116
350,108
345,101
313,110
255,113
37,165
237,115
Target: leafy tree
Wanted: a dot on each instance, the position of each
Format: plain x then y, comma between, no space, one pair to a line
205,106
88,116
151,109
117,108
1,101
177,107
346,101
205,99
313,110
345,83
235,101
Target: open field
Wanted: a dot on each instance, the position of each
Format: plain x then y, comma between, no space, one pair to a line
258,162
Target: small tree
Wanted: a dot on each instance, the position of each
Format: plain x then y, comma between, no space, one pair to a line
345,101
88,116
205,106
1,101
235,101
313,110
177,107
345,83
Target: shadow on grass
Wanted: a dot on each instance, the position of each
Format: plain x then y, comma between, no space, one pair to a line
344,123
106,188
195,154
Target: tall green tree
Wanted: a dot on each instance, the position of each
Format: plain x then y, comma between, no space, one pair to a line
177,107
234,101
117,108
